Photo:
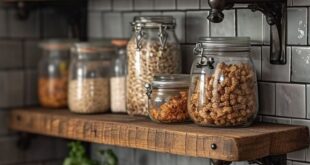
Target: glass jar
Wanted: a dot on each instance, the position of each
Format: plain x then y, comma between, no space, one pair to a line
153,49
53,73
223,91
168,98
89,83
118,79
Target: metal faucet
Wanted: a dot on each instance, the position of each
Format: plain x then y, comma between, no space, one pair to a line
276,15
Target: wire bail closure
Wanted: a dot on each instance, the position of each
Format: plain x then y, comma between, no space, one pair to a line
163,36
204,61
139,35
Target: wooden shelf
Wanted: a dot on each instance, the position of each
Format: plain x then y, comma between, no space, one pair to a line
257,141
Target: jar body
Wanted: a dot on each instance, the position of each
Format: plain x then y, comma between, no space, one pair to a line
168,105
224,94
118,82
89,84
53,79
147,57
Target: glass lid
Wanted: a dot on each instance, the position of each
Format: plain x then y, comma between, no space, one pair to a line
171,81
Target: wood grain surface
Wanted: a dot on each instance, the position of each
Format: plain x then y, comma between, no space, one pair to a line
232,144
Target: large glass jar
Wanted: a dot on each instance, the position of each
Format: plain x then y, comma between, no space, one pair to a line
223,91
168,98
53,73
89,78
153,49
118,78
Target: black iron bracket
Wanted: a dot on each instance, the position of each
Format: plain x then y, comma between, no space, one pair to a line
269,160
276,15
74,11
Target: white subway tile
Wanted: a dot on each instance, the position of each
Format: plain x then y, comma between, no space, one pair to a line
11,55
297,26
122,5
256,56
291,100
186,4
95,26
272,72
165,4
301,64
267,98
112,25
250,24
197,25
127,19
100,5
227,27
143,4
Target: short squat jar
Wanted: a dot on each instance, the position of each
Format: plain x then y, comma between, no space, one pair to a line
89,83
153,49
223,91
53,73
168,98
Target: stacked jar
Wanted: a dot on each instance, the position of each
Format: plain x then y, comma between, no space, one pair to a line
89,78
53,73
118,79
153,49
223,90
168,98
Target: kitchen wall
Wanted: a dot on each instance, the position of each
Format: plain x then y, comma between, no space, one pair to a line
284,89
19,55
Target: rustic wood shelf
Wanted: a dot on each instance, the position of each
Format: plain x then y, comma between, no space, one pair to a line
258,141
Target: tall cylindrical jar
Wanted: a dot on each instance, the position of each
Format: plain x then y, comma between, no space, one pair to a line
118,78
223,91
53,73
89,78
153,49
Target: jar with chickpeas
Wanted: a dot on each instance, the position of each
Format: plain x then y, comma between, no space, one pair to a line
153,49
223,91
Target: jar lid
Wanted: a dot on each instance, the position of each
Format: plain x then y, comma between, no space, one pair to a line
225,44
119,42
94,47
56,45
154,21
171,81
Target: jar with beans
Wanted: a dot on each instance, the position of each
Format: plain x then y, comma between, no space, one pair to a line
168,98
53,73
153,49
223,91
89,78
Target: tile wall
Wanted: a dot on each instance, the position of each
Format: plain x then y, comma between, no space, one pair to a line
284,89
19,56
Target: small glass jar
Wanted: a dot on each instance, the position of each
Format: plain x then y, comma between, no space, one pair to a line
223,91
118,78
168,98
89,78
153,49
53,73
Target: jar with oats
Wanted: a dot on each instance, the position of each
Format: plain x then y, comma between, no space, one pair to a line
118,78
89,78
223,91
153,49
168,98
53,73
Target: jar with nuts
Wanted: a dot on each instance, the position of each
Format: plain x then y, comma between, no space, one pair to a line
223,91
53,73
89,78
153,49
168,98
